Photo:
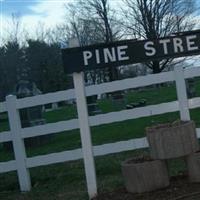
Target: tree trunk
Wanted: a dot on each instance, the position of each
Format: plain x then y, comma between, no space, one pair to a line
156,67
113,73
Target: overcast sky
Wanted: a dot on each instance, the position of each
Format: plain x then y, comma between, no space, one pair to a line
43,10
48,12
31,12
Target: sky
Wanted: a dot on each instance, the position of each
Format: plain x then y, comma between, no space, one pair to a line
47,12
31,12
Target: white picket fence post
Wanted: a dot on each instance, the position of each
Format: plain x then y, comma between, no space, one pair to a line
181,93
87,148
18,144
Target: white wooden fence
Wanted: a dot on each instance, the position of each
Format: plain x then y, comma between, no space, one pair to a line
17,134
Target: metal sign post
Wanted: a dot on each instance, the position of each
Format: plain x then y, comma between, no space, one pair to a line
79,85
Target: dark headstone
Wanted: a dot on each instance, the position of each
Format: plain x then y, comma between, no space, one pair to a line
190,86
118,100
30,116
92,104
33,115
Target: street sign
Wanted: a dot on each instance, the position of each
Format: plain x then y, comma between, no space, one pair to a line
130,51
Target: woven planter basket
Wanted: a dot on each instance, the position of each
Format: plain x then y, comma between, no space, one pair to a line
175,140
144,176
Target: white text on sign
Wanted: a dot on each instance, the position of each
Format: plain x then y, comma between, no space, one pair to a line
106,55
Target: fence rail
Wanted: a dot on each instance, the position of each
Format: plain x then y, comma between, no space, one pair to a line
76,154
17,134
100,119
101,88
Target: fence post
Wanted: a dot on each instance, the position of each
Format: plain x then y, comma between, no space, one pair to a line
181,93
18,144
87,148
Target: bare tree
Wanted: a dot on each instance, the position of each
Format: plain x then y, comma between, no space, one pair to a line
12,54
151,19
101,8
41,32
15,30
98,13
93,21
15,27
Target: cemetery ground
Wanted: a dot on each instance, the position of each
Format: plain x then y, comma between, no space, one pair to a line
67,180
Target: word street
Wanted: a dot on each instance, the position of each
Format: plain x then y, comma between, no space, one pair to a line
130,52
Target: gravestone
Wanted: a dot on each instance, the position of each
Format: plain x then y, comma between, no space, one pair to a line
118,100
31,116
190,86
92,104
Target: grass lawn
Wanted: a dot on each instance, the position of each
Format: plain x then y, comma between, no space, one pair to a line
67,180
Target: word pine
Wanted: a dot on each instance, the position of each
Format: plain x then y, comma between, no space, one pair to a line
106,55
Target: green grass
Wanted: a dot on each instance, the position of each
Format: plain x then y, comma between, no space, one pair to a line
4,126
67,180
101,134
67,112
152,95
